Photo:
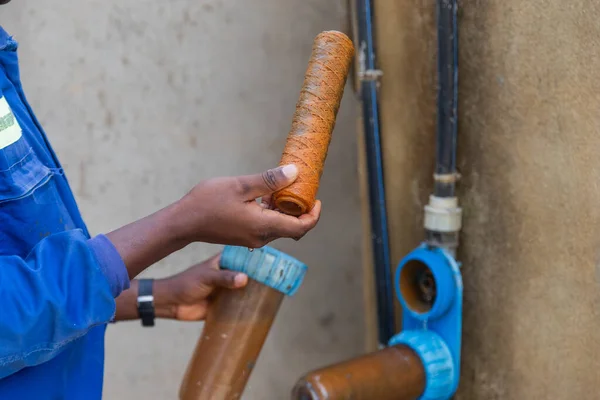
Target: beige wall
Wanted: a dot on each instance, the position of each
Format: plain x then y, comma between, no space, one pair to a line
529,152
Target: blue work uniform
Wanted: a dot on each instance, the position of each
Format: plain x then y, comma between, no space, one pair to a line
57,286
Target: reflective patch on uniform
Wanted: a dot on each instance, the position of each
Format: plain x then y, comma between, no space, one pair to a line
10,130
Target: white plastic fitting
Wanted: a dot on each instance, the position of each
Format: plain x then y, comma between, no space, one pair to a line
443,214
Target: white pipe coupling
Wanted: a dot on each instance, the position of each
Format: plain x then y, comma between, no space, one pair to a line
443,214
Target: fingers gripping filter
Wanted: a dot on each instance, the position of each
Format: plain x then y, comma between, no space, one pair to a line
314,120
266,265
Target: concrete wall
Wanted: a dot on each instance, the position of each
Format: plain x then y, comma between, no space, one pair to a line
529,144
142,100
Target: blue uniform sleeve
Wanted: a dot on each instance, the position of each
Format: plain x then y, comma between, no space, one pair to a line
54,296
111,264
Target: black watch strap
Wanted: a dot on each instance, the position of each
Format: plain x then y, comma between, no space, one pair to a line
145,302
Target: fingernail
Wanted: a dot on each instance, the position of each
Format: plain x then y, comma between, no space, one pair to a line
290,171
240,279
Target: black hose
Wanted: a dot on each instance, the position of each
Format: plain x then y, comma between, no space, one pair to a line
447,100
377,206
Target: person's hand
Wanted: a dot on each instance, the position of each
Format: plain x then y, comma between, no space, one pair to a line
225,211
186,296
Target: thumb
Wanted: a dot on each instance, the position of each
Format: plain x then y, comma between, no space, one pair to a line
272,180
225,279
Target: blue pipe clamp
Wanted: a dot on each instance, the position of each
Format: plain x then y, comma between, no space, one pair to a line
432,329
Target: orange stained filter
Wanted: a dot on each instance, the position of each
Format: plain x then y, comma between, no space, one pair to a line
314,119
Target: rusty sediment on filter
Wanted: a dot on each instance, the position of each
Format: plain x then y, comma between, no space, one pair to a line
314,120
235,330
394,373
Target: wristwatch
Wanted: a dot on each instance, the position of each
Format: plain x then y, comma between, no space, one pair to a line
145,302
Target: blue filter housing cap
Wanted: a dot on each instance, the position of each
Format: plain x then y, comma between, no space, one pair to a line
441,378
266,265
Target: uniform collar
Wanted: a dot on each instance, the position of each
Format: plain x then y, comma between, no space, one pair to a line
7,43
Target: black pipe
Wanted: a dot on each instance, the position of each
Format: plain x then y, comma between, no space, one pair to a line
377,206
447,100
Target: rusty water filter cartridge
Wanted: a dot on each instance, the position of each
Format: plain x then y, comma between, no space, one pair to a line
314,120
394,373
238,323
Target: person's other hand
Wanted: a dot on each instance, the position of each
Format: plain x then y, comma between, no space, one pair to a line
186,296
225,211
